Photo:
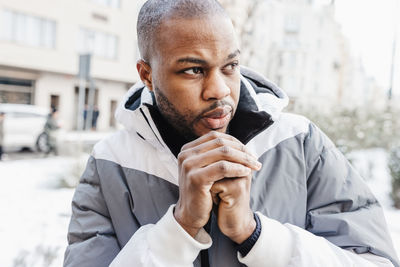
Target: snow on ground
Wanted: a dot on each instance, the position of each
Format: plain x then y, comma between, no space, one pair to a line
35,211
372,165
34,214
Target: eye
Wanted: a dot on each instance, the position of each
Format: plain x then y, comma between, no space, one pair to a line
231,68
194,71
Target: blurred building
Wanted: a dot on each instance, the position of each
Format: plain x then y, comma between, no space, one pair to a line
396,62
295,43
299,45
40,44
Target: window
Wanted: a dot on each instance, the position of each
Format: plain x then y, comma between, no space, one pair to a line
97,43
16,91
291,42
292,60
292,24
27,30
55,101
109,3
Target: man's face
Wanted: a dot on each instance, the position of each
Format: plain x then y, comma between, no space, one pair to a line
195,74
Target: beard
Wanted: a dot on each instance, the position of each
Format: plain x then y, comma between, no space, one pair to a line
184,122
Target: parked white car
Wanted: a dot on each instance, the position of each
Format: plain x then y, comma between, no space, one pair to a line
23,126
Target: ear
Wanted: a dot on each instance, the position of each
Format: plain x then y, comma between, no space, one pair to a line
145,74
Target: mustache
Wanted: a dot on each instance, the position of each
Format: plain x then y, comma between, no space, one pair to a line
216,104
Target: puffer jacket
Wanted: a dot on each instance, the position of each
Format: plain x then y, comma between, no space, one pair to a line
315,210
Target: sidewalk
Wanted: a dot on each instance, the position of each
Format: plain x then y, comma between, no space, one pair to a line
69,142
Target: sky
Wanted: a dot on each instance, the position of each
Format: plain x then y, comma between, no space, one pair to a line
370,27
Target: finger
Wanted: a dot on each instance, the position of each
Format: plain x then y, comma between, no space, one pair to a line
224,153
215,198
212,144
215,143
221,192
231,189
207,137
220,170
231,186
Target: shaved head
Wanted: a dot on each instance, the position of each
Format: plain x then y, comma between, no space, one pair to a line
154,12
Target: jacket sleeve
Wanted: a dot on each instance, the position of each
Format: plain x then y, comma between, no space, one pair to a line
345,224
93,242
91,236
285,245
165,244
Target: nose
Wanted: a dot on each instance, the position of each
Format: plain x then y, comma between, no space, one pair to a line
215,87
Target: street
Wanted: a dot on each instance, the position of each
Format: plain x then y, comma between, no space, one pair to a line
23,155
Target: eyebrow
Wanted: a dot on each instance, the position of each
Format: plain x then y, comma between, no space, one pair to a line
192,60
234,54
203,62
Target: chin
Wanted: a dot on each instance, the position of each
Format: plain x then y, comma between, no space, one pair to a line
221,130
207,130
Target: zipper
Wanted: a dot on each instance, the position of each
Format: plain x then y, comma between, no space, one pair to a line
204,255
147,120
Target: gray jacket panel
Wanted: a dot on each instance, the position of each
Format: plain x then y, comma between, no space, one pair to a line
340,207
91,236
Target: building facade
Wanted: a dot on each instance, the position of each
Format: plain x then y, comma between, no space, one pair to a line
299,45
40,44
295,43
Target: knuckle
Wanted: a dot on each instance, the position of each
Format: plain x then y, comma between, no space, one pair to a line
186,165
219,141
214,134
225,150
196,151
181,157
184,147
223,166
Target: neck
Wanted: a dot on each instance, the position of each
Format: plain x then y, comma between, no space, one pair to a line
172,137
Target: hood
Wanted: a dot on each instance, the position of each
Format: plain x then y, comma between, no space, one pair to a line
268,96
260,99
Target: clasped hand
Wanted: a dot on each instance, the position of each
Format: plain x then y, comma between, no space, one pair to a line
216,169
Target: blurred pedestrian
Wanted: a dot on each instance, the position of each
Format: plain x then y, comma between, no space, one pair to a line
95,116
1,133
85,115
50,129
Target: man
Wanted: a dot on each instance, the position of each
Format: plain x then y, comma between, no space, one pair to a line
210,172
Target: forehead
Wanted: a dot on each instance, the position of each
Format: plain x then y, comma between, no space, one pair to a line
210,38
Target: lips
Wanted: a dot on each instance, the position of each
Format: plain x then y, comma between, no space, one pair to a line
217,118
